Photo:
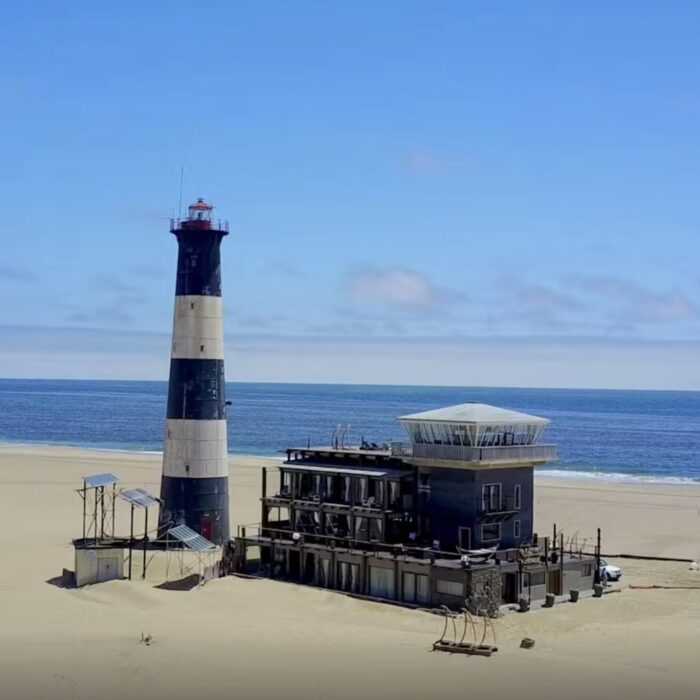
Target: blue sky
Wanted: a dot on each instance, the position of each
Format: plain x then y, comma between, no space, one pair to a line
472,193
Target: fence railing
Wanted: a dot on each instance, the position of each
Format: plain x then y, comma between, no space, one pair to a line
253,532
510,453
199,224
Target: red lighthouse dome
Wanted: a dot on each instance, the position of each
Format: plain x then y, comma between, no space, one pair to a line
199,218
199,214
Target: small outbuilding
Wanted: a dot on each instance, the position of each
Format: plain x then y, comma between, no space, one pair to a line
97,562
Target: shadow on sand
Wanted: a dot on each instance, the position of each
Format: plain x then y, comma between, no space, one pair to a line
182,584
65,580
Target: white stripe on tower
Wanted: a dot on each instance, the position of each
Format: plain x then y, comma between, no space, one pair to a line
198,328
195,444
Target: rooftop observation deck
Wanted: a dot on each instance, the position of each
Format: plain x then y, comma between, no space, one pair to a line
475,433
508,454
468,435
409,452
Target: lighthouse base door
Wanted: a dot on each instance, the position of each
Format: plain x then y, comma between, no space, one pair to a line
205,527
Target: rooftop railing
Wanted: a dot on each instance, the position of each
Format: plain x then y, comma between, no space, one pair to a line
509,453
199,224
314,501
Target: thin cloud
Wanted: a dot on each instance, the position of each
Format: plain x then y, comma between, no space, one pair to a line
604,285
396,287
429,163
667,307
146,271
100,316
638,303
535,305
10,273
283,268
111,283
467,360
545,300
234,318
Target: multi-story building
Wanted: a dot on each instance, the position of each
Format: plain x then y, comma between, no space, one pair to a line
443,518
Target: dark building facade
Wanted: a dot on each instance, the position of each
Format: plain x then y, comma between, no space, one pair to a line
445,518
472,509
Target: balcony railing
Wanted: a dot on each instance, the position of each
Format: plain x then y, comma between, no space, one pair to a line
509,453
199,224
312,501
497,506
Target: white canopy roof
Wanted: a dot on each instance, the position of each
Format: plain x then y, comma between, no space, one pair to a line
475,414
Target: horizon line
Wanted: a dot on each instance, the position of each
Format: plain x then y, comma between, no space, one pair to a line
362,384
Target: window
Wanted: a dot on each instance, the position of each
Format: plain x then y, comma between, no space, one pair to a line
415,588
517,497
376,527
381,582
586,570
537,578
394,494
455,588
337,525
491,498
361,528
281,512
490,532
516,529
307,521
286,485
348,577
361,488
376,492
322,572
465,537
345,490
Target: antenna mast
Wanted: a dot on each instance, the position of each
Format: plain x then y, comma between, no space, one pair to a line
182,179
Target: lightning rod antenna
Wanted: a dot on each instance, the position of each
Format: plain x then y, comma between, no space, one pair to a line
182,179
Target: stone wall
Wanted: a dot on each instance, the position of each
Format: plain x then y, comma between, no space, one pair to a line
484,592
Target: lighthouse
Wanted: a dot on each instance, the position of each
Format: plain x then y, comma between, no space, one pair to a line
194,487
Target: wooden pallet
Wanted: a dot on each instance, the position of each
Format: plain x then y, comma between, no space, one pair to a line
462,648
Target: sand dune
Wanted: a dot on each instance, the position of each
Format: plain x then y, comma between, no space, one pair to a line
237,638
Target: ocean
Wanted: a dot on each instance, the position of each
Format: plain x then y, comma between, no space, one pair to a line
611,435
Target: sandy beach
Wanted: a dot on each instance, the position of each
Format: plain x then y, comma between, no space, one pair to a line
239,638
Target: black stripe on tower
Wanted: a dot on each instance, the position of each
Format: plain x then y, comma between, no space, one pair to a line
199,262
193,502
196,389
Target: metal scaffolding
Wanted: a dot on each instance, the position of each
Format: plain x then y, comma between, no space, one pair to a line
138,498
98,505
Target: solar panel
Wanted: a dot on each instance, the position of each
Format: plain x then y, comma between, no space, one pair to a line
100,480
139,498
191,539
